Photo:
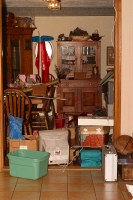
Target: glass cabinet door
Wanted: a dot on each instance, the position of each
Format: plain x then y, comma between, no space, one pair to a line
15,58
83,58
68,58
89,55
89,59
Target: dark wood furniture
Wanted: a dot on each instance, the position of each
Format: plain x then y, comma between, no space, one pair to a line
79,56
80,90
18,104
42,116
79,96
17,47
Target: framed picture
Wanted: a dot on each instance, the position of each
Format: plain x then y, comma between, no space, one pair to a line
110,56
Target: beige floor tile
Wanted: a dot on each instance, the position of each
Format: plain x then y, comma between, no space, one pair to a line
81,195
80,179
122,185
9,180
29,181
80,187
106,186
79,173
7,187
60,172
6,195
5,177
127,195
97,173
28,187
109,195
98,179
55,179
62,187
79,184
53,196
26,196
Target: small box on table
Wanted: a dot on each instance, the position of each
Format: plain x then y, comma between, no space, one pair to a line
30,143
125,166
56,143
28,164
94,136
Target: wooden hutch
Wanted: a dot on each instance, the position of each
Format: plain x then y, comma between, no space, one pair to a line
17,47
80,90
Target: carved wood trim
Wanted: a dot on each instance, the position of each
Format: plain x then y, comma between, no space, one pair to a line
117,96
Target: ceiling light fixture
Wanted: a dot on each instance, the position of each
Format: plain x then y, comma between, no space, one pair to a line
54,4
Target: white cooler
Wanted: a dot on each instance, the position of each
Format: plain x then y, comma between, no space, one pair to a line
56,143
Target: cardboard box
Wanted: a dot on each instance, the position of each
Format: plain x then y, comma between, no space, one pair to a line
94,136
30,143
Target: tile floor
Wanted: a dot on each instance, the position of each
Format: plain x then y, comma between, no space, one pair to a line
60,184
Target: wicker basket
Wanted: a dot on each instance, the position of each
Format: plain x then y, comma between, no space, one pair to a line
79,38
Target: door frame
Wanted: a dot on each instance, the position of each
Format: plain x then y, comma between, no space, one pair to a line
117,69
117,79
1,97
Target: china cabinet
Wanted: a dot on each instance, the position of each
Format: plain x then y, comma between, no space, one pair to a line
80,90
79,56
17,52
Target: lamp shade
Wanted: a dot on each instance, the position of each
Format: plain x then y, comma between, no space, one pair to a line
54,5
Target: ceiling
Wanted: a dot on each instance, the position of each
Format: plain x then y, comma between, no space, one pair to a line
68,7
64,3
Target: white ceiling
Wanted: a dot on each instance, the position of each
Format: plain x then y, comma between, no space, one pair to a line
64,3
68,8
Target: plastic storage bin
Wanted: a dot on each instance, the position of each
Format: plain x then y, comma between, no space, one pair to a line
28,164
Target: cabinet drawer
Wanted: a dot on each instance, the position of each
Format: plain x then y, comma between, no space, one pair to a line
79,83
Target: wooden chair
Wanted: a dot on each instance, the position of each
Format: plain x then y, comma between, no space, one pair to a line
40,116
18,104
38,113
51,77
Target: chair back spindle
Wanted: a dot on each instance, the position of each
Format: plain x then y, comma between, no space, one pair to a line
19,105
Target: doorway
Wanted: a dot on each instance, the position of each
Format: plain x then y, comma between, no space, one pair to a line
117,99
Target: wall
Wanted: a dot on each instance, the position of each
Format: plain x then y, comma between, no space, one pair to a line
127,68
54,26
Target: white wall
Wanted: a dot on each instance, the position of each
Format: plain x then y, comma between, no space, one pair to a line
127,68
54,26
